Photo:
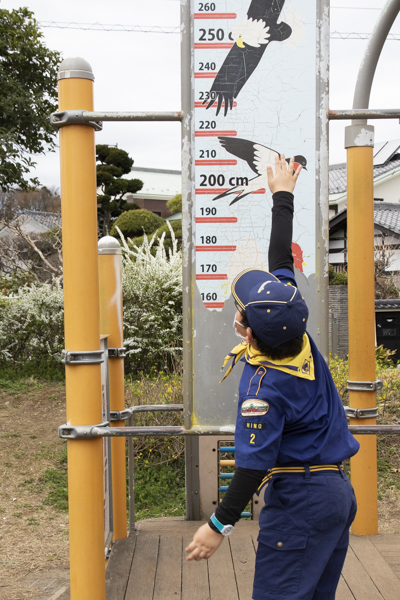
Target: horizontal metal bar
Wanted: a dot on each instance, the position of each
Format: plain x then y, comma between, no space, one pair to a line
123,415
373,429
131,116
97,431
223,488
245,515
364,113
227,448
226,475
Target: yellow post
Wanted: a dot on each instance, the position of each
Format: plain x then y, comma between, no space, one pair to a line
82,333
361,290
110,278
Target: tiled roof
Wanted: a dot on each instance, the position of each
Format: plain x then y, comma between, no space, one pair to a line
49,219
387,215
338,175
390,303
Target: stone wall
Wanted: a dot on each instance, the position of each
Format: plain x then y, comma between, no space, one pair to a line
338,326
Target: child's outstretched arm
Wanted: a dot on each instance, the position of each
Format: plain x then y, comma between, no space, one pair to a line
282,184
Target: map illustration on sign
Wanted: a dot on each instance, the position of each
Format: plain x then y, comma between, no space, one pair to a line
251,35
253,100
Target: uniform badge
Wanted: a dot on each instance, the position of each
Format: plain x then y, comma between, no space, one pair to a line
253,407
306,367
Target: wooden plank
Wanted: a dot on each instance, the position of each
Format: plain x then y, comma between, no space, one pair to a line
118,567
379,571
244,556
221,574
195,584
358,579
169,568
343,592
144,564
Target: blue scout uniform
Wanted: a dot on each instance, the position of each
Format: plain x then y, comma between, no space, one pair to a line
291,422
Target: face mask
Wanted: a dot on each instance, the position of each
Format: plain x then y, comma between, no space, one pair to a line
242,337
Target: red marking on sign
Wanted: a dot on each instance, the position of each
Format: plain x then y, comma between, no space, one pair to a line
211,132
215,248
215,15
221,190
204,104
212,276
215,162
208,75
216,219
206,46
214,304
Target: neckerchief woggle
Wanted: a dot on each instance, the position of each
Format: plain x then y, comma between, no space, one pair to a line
301,365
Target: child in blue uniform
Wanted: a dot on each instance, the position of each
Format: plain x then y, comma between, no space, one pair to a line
291,430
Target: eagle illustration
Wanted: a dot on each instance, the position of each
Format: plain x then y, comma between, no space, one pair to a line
252,35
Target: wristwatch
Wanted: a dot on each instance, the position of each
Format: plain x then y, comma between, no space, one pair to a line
224,529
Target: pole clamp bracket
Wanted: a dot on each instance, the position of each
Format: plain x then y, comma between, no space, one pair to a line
76,357
361,413
116,352
79,432
120,415
364,386
73,117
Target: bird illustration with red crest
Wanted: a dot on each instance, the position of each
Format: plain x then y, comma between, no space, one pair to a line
258,157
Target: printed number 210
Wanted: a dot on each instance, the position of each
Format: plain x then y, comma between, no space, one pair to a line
252,438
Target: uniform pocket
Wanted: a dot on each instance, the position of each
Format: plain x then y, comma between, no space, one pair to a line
326,503
278,561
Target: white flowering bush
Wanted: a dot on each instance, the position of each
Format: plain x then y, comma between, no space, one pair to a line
32,329
32,318
152,298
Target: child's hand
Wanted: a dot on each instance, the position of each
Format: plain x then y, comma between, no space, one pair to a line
284,179
205,543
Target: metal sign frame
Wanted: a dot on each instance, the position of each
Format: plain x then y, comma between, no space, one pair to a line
201,324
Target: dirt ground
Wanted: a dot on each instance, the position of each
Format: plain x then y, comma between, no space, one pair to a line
33,535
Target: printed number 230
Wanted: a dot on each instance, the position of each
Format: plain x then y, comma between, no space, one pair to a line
252,438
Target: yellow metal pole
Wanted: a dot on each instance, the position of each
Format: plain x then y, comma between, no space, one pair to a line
361,290
110,279
82,333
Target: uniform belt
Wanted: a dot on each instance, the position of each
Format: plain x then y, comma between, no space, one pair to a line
291,470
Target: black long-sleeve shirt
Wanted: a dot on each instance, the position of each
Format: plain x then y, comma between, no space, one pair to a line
245,482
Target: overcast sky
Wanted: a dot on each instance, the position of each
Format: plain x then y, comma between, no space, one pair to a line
141,71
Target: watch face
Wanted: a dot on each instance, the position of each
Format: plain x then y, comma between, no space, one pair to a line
227,529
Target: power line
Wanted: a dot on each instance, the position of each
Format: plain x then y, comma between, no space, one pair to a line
335,35
109,27
352,35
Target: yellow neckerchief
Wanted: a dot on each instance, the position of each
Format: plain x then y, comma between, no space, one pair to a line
301,365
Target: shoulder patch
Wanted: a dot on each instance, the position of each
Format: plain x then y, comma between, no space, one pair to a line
254,407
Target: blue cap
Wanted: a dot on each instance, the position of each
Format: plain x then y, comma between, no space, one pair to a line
276,311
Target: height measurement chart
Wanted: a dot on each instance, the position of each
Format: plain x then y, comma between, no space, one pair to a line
254,99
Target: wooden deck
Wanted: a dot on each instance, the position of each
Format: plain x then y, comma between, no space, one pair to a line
151,565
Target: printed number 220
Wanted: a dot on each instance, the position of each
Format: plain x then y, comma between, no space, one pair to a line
252,438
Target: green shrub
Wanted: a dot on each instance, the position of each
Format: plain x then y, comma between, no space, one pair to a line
132,223
337,278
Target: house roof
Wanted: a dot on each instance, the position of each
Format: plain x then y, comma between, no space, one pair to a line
338,174
386,159
386,217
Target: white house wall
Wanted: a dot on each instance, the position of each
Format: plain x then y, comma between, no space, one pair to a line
388,188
